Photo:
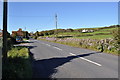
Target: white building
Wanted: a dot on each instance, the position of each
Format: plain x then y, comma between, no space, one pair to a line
84,30
87,31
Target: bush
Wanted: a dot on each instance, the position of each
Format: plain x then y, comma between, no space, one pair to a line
69,30
10,42
35,37
116,35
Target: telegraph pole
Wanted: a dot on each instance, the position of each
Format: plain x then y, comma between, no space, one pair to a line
56,23
4,51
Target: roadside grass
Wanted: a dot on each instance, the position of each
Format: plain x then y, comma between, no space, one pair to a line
18,64
25,39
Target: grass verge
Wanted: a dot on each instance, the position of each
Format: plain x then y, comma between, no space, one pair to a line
18,64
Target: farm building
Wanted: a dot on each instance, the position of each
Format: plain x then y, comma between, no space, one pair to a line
20,32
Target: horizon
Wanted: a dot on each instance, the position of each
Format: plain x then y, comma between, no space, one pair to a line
63,28
41,15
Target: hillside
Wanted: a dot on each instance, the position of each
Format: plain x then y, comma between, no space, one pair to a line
98,33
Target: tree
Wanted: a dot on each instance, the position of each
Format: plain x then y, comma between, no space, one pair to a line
41,34
37,33
116,34
69,30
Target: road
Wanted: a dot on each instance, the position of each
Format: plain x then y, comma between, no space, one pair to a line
52,60
0,63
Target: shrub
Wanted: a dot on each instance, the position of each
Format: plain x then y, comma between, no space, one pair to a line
116,35
69,30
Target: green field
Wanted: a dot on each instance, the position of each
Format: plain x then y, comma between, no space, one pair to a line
99,34
95,37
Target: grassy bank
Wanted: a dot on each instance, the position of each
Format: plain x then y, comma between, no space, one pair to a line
18,64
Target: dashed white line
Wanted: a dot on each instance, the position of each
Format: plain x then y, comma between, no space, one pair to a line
87,60
91,61
48,45
57,48
72,54
76,55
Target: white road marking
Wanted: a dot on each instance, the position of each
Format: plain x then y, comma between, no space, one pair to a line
48,45
72,54
87,60
57,48
91,61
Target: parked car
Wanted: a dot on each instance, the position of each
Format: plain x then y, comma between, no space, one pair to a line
19,39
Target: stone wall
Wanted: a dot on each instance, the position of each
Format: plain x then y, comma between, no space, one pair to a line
105,45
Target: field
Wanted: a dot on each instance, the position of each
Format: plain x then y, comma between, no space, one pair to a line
100,34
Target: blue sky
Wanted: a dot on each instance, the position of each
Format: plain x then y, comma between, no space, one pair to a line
41,15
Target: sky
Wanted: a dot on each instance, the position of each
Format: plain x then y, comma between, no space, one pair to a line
40,16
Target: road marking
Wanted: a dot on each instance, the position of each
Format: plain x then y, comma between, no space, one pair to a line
87,60
72,54
57,48
48,45
91,61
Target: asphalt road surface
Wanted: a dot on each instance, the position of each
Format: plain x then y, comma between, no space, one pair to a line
52,60
0,63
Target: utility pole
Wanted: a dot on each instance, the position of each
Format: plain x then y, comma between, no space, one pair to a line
56,23
4,51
